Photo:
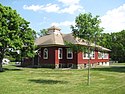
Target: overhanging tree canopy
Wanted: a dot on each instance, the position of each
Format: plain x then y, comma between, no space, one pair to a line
14,33
42,32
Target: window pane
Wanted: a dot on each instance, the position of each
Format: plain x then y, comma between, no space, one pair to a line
45,53
69,53
100,55
60,53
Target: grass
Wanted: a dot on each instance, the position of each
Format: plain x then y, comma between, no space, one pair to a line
104,80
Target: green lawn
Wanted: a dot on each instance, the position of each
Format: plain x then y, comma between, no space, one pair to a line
104,80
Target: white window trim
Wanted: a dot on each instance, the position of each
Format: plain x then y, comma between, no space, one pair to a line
106,55
60,53
91,54
101,56
44,53
69,51
83,56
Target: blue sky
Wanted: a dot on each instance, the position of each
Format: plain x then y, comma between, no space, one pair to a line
43,14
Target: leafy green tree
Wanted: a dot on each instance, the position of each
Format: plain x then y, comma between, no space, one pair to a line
42,32
14,33
87,27
115,42
105,40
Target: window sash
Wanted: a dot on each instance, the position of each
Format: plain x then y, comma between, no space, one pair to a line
86,55
100,55
105,55
60,53
45,53
69,54
92,54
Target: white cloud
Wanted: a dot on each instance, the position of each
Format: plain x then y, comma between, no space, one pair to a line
48,8
71,9
32,7
114,20
51,8
67,6
69,2
65,23
72,6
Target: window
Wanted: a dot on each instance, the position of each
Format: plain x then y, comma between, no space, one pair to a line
60,53
69,53
45,53
85,55
100,55
92,54
105,55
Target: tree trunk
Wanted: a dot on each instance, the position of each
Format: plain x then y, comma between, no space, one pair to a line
89,65
2,52
1,69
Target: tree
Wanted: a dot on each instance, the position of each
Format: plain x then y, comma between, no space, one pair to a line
105,40
115,42
43,32
14,33
87,27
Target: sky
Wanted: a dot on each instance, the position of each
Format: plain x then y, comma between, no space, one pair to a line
43,14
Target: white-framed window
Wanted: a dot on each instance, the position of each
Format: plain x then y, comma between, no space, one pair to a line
92,54
100,55
45,53
69,53
105,55
85,55
60,53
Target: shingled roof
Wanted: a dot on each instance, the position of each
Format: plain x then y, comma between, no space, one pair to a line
52,39
59,39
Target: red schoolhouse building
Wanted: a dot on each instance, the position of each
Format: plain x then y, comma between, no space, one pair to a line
54,53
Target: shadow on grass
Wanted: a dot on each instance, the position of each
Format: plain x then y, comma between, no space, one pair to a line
112,69
7,69
42,81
